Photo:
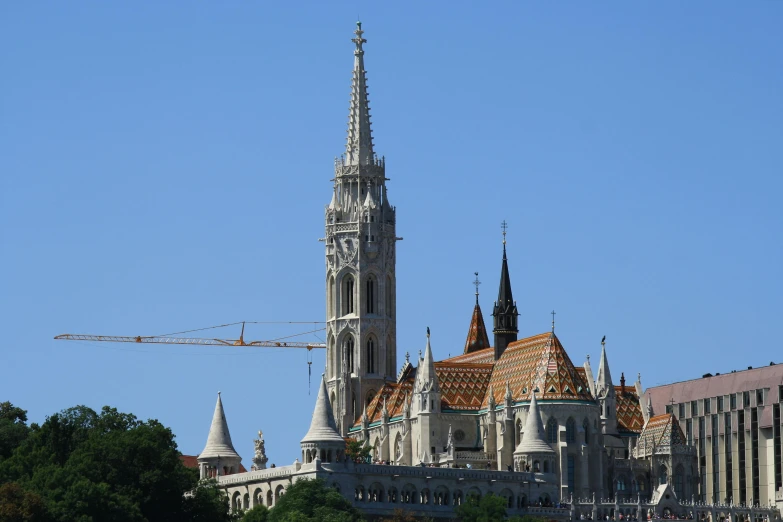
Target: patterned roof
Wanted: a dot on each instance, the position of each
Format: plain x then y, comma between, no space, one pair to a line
485,356
539,362
629,410
463,385
395,393
662,430
477,333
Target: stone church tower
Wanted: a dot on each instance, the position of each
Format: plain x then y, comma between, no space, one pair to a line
360,255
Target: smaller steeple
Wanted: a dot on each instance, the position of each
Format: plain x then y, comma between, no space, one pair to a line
509,396
492,402
219,456
505,311
533,443
605,394
322,427
426,378
477,332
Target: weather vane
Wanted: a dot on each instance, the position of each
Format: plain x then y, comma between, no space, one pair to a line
477,283
504,227
553,320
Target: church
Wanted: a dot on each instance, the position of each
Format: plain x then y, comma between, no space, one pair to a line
511,416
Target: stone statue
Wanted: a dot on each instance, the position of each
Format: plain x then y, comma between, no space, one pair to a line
259,459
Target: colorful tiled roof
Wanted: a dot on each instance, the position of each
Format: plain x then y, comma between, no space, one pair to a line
485,356
662,430
539,362
395,394
477,333
463,385
629,410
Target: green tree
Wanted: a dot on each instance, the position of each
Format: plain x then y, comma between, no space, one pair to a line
312,501
527,518
260,513
207,503
18,505
108,466
487,509
13,428
357,450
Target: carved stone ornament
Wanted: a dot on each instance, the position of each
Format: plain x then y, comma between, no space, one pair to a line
259,458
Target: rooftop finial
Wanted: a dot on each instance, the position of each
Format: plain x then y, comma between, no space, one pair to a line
476,283
504,227
553,321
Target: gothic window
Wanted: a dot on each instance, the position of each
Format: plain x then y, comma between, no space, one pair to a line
551,431
348,295
330,297
621,484
663,474
353,405
518,433
389,357
586,427
678,483
334,364
348,347
372,355
370,294
389,303
570,430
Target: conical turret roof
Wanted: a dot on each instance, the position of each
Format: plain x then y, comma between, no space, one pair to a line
219,439
426,378
533,438
477,333
323,428
603,382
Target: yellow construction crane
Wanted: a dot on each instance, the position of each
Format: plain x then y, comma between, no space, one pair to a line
202,341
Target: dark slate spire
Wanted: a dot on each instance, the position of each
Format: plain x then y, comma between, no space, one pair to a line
505,311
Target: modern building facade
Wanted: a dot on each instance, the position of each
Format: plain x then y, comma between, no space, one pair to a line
734,421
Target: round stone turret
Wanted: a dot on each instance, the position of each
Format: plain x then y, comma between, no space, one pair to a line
322,442
533,453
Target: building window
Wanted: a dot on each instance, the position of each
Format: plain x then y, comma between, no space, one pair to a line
678,483
707,408
746,399
586,427
754,453
759,397
715,461
689,431
370,294
780,393
720,404
570,430
348,346
777,445
694,408
729,486
348,295
551,431
668,409
663,475
733,401
682,411
741,453
371,356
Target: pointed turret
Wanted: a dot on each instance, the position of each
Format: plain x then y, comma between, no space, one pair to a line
358,149
426,379
505,311
606,394
322,439
477,333
533,448
219,456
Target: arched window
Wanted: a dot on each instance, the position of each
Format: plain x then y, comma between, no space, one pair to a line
348,346
372,356
551,430
662,475
621,484
389,301
570,430
678,482
333,360
586,427
370,294
518,433
348,295
330,297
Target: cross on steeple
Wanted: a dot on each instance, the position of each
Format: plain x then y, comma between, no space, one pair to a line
553,320
504,227
476,283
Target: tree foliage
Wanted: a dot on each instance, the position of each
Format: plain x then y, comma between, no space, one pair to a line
260,513
17,505
89,466
486,509
357,450
13,428
312,501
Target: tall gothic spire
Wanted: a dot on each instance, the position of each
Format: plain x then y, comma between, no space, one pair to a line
426,378
358,149
505,311
219,439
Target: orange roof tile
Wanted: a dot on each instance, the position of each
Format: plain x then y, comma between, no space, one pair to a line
463,385
539,362
629,410
662,430
395,394
477,333
485,356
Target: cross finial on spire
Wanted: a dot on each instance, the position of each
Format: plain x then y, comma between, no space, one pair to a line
504,227
553,320
358,40
476,283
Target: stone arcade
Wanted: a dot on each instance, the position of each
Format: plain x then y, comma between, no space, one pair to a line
514,418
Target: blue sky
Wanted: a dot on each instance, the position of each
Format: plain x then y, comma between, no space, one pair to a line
166,167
